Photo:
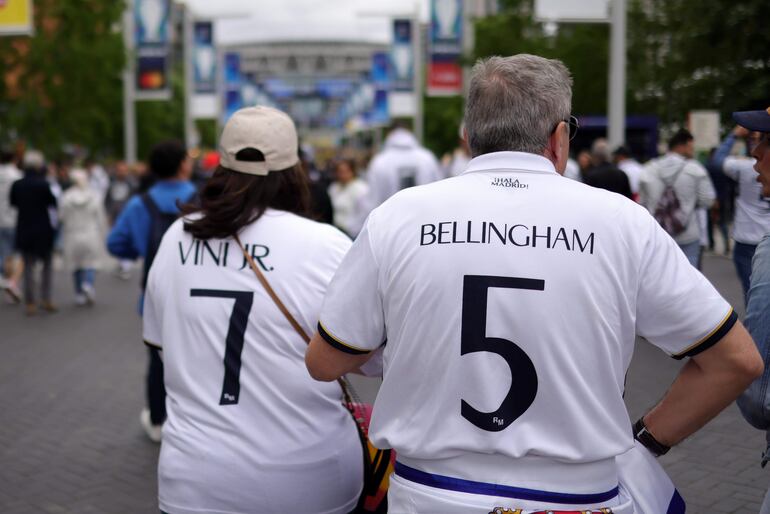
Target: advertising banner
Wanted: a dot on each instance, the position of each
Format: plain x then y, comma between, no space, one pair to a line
402,56
378,113
204,58
152,43
233,83
445,75
16,18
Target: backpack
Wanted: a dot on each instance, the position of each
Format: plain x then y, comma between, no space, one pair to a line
668,210
159,223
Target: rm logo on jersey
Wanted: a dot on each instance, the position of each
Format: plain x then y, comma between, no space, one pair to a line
508,182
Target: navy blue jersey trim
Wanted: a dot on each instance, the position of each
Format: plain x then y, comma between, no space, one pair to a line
469,486
713,338
339,345
677,505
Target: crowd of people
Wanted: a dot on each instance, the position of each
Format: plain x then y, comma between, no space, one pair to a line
250,251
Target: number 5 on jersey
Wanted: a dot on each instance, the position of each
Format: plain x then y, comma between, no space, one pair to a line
473,338
231,386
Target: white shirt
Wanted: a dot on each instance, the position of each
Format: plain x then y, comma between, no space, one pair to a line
634,171
401,164
8,175
349,203
752,210
511,264
243,443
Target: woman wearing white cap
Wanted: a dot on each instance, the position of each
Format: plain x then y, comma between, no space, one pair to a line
248,429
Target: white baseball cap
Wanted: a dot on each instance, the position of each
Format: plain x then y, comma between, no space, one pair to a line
268,130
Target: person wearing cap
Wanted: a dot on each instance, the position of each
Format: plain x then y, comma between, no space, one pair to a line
248,429
137,233
754,403
752,207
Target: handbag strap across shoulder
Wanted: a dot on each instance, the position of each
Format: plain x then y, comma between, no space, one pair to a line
281,307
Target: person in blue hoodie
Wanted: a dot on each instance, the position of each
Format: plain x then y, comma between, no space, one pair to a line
137,233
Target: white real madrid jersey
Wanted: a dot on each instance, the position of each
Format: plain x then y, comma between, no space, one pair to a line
508,300
752,210
247,425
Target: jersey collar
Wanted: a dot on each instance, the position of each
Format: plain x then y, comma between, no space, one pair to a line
514,161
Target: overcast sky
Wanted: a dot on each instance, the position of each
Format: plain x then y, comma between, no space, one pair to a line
270,20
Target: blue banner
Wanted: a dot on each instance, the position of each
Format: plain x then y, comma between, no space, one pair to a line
204,57
446,27
233,83
402,56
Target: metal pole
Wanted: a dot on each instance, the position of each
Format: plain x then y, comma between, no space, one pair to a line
616,129
129,110
469,40
419,82
190,139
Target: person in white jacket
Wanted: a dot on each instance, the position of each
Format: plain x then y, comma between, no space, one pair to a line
402,163
690,182
84,229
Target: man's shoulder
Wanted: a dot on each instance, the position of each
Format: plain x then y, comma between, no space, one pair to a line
695,168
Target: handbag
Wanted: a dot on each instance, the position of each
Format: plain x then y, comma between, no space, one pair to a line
378,464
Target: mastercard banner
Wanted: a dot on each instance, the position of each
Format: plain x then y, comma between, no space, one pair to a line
16,17
152,43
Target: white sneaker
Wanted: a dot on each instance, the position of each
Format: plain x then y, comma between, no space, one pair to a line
89,293
80,299
153,432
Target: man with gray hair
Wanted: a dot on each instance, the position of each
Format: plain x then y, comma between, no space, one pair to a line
510,298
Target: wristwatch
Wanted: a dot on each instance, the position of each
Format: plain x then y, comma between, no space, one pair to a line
644,436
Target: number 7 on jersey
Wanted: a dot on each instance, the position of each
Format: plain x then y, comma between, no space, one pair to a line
231,385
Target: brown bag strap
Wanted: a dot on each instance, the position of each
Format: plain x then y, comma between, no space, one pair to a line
278,303
262,280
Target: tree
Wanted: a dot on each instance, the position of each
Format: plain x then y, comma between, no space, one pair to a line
685,55
582,47
63,85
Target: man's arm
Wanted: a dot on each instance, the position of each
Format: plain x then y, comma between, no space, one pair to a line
706,192
707,384
752,402
120,241
326,363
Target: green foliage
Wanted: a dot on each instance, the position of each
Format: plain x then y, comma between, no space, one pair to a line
582,47
69,78
443,116
685,55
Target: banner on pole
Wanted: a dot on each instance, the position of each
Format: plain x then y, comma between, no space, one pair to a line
16,18
402,56
152,43
445,76
204,57
233,81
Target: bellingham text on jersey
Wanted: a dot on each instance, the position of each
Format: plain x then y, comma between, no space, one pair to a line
487,232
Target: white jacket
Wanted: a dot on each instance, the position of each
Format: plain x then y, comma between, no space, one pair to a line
84,228
402,163
693,188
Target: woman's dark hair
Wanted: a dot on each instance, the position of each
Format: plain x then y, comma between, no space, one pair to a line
350,163
231,200
166,157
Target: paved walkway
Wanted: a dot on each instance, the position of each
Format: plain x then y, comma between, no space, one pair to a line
71,389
